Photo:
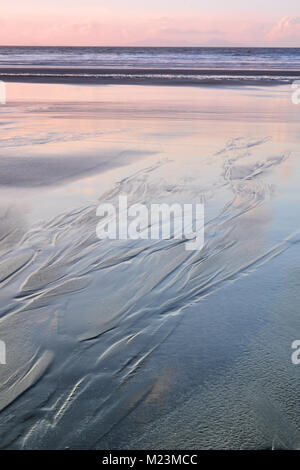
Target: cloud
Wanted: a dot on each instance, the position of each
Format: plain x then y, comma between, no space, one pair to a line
285,29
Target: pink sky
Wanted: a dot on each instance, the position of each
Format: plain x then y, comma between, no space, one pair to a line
116,22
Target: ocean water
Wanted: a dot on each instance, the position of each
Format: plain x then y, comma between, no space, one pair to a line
227,58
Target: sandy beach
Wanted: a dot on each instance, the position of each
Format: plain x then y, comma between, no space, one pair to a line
112,343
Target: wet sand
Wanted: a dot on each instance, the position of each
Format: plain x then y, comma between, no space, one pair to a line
139,343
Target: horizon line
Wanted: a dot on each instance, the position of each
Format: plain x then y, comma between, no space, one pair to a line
157,47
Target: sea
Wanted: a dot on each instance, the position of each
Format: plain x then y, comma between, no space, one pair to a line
224,58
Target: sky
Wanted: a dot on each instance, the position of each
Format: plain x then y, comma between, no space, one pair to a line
151,23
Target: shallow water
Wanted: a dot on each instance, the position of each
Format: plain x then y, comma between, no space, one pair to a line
140,343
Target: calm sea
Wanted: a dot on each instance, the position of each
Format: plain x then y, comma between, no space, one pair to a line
283,59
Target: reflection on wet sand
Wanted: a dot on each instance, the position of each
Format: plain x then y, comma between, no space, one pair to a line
94,328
